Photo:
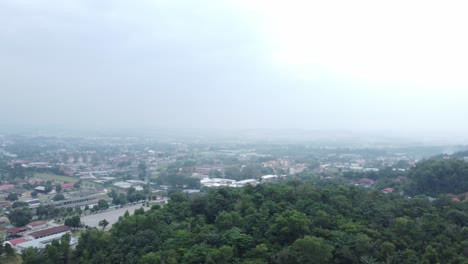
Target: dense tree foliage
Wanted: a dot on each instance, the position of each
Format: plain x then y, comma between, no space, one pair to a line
433,177
285,223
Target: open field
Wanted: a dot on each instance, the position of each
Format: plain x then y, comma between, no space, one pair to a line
11,259
112,215
53,177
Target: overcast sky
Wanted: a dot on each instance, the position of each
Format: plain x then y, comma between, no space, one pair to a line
321,65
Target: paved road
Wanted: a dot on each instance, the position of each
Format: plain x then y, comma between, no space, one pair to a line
112,216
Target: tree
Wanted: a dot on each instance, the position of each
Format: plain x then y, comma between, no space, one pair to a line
58,197
9,250
103,223
21,216
103,204
34,194
73,222
58,188
290,225
150,258
48,187
12,197
311,250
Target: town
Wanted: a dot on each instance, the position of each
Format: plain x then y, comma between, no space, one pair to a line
57,185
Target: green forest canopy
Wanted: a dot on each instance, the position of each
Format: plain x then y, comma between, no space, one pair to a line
293,222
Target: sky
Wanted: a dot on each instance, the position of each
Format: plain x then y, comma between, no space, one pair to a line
397,66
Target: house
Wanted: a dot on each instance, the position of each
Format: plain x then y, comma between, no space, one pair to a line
36,225
387,190
50,231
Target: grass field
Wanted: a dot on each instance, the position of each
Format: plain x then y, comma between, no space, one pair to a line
53,177
11,259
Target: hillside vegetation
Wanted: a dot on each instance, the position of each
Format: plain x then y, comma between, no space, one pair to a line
280,223
434,177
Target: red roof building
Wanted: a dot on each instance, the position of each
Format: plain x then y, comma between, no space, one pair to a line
16,230
50,231
16,241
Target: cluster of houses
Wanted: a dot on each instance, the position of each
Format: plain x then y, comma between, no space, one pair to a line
221,182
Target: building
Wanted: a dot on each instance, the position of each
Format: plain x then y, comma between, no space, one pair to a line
78,202
50,231
41,243
16,231
268,178
36,225
14,242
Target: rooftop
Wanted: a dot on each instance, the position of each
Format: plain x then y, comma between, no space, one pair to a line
17,241
50,231
37,223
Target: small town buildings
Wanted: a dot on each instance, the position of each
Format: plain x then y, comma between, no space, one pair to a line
218,182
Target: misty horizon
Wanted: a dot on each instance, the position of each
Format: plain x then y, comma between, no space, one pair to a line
227,66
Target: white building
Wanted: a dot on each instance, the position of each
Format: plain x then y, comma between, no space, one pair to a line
268,178
41,243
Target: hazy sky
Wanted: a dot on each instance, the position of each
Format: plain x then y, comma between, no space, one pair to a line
324,65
